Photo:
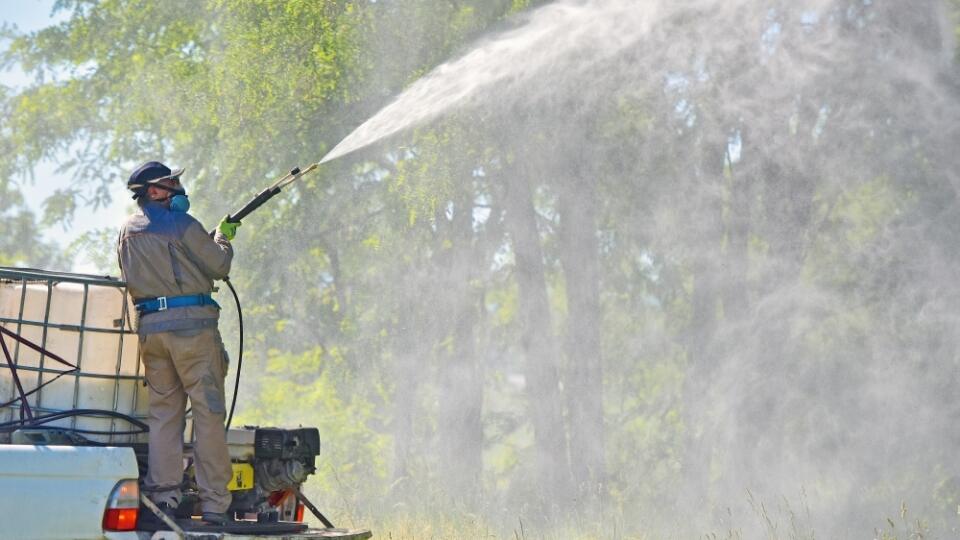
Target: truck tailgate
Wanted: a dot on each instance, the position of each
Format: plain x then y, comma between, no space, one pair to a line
312,534
59,492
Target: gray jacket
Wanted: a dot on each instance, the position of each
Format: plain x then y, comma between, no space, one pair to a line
164,253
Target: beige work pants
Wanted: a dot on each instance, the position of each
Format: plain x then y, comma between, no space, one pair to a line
177,365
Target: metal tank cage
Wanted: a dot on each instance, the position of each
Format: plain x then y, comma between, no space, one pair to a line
123,327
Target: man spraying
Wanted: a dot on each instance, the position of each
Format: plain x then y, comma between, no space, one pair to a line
169,263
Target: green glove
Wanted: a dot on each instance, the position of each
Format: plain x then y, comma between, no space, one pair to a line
227,228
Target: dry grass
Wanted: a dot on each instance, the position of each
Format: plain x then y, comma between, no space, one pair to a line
780,522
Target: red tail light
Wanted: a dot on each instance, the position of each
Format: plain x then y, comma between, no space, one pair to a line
123,506
299,515
120,519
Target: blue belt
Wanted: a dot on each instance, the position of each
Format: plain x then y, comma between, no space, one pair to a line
163,303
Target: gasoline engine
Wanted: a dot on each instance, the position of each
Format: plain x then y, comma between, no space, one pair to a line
269,466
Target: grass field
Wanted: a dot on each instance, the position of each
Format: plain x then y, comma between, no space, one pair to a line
766,527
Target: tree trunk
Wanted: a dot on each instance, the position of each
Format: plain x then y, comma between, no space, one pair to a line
736,258
461,380
406,375
538,344
788,212
701,367
583,376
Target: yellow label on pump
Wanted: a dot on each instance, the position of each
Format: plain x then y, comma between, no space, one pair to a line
242,477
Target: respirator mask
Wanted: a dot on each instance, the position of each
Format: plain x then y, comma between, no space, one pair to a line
178,198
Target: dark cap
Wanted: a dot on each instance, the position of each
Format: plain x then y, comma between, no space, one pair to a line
150,172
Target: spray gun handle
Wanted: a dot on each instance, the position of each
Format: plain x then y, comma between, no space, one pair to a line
254,203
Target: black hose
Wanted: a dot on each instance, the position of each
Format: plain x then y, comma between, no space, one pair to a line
236,384
80,431
41,420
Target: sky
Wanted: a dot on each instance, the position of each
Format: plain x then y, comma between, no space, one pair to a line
31,15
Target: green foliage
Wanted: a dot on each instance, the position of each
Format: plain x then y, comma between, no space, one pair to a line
21,241
96,248
316,388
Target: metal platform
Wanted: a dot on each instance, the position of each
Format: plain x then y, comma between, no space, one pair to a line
195,529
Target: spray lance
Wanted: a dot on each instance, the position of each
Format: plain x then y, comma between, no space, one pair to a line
236,217
268,194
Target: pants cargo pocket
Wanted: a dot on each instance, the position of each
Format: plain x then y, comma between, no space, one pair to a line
213,395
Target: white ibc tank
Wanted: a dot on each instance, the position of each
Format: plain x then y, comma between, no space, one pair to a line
87,321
